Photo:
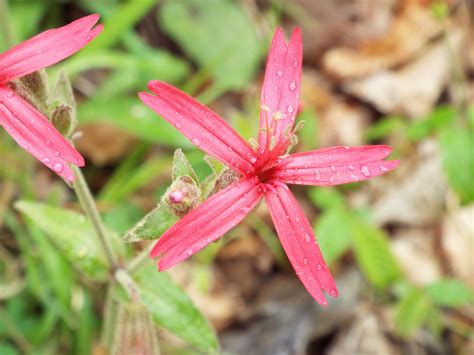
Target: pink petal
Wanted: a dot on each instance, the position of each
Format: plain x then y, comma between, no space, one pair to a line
281,88
298,240
47,48
207,222
200,125
335,165
34,133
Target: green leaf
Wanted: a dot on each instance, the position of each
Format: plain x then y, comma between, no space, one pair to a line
385,127
373,254
333,231
411,312
172,309
153,225
132,116
326,197
156,64
218,35
458,160
118,23
437,119
182,167
72,234
450,292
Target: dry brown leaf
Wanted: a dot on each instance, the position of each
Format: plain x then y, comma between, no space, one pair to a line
458,243
414,89
418,198
414,250
343,123
104,143
364,336
339,22
413,27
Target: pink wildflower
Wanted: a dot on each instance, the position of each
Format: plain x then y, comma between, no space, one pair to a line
265,172
28,127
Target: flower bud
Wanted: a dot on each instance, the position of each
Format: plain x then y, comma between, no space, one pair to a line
182,196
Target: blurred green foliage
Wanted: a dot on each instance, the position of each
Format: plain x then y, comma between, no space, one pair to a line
56,311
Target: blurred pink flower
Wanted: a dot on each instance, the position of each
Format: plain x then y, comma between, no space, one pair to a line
28,127
265,172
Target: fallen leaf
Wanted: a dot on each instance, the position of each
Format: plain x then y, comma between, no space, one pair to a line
458,242
415,253
417,199
414,89
413,27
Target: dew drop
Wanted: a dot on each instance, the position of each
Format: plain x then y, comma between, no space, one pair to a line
189,252
48,142
319,267
333,293
290,109
58,167
10,93
292,86
253,160
178,125
307,238
317,175
365,170
46,160
56,154
305,261
383,168
89,38
196,141
295,64
279,73
351,167
333,168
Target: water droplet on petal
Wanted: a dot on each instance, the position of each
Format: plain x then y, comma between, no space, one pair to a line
58,167
196,141
279,73
307,238
333,293
351,167
365,170
10,93
317,175
290,109
295,64
48,142
305,261
253,160
292,86
178,125
383,168
56,154
189,252
319,267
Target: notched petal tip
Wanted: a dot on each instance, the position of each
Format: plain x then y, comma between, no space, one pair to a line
155,85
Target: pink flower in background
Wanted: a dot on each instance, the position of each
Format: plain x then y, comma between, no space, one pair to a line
266,172
28,127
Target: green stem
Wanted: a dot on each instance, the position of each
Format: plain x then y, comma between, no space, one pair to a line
5,26
90,208
140,260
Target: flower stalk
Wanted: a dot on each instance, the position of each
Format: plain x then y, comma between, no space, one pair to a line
90,208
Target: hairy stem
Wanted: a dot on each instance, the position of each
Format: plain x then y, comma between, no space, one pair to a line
90,208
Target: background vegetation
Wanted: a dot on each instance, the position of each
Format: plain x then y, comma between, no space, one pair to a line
400,246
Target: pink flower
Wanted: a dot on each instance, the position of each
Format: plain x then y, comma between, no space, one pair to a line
266,172
28,127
